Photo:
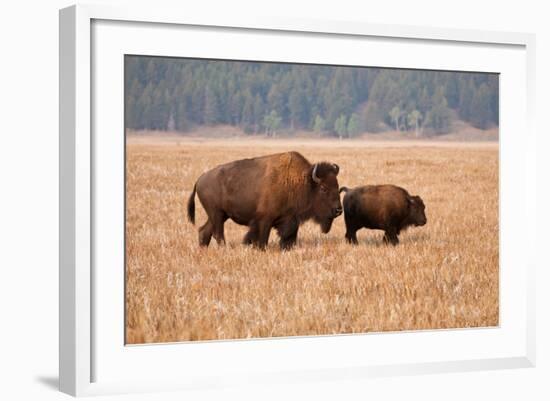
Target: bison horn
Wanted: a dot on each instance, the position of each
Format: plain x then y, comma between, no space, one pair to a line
314,174
336,168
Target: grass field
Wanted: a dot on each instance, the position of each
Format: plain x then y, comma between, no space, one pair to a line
442,275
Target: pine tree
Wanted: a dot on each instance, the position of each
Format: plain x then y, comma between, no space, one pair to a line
353,126
211,112
235,108
395,115
481,107
414,118
340,126
320,125
372,118
296,103
247,119
466,94
259,112
439,117
271,122
276,100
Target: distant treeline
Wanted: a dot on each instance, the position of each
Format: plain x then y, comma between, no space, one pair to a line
180,94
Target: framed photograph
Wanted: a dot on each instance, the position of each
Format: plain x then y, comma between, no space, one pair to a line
278,200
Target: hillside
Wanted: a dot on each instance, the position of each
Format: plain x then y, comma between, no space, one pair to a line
176,94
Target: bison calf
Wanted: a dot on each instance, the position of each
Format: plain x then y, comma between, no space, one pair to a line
381,207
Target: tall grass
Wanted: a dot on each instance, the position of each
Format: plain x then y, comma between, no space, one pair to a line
442,275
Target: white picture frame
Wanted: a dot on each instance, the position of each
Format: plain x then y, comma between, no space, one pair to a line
91,37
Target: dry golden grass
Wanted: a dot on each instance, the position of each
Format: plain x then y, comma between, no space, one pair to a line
442,275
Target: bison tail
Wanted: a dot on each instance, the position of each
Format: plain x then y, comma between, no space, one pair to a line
344,189
191,205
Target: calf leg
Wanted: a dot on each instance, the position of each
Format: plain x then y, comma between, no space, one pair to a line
390,236
289,241
205,233
351,229
351,236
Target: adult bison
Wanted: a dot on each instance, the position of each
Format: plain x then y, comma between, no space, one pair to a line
281,191
383,207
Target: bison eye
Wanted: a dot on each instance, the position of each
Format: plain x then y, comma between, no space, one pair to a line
324,189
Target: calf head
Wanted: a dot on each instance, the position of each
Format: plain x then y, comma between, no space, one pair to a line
326,205
417,214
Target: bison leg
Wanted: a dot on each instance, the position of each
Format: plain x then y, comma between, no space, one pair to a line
258,234
217,230
264,228
391,236
288,231
205,234
251,236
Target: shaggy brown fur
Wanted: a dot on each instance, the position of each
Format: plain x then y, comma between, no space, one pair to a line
383,207
264,192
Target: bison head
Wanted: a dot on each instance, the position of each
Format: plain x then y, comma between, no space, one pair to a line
326,204
417,215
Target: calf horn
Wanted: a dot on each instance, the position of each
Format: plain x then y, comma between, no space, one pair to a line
314,174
